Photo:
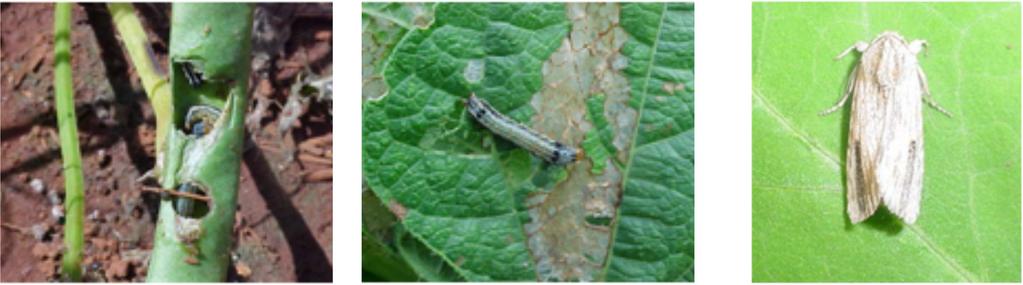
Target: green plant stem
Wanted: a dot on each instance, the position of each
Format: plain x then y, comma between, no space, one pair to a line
69,152
154,80
214,40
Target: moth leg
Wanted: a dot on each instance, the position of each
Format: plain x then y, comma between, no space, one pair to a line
860,46
850,84
927,93
918,45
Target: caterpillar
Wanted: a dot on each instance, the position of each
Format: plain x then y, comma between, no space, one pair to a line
539,145
185,206
199,122
200,119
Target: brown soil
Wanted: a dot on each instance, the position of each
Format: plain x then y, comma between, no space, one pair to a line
285,194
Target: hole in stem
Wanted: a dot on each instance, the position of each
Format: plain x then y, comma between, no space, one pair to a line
200,120
187,205
193,76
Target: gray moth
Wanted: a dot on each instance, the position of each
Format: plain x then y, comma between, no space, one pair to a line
885,155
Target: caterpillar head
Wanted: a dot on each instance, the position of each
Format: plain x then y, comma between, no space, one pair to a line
564,155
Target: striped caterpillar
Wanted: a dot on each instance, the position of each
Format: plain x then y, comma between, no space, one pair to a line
546,148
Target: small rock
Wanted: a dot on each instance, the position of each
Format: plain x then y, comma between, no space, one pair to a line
243,270
54,198
102,114
39,231
104,159
37,185
117,270
57,212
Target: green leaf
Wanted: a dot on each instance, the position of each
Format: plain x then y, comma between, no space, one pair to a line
380,260
383,263
407,16
653,238
489,209
969,227
423,260
423,154
599,146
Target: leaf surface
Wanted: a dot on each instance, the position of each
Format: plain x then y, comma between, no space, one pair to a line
969,227
492,211
653,238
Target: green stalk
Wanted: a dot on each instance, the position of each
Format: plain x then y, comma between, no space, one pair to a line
67,125
135,41
193,238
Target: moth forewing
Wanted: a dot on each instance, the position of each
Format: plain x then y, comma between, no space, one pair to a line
884,159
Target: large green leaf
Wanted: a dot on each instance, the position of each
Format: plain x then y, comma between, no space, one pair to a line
489,209
653,240
418,146
969,227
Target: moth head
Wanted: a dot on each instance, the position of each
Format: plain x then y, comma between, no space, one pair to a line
890,34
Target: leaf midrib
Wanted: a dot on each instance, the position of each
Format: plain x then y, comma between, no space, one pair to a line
635,132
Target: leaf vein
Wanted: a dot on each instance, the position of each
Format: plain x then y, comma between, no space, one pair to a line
803,137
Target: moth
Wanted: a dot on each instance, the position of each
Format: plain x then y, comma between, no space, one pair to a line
539,145
885,155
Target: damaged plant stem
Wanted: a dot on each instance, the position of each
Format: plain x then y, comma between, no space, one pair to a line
201,151
67,126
